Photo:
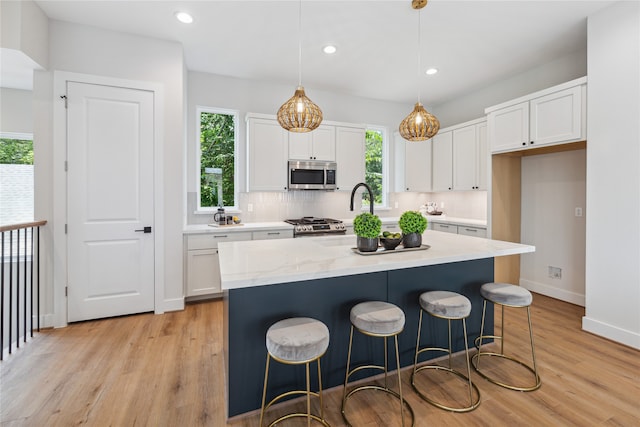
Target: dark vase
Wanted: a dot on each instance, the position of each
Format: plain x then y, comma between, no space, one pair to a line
412,240
367,244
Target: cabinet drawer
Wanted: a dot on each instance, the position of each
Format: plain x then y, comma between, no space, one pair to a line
472,231
211,240
392,228
447,228
272,234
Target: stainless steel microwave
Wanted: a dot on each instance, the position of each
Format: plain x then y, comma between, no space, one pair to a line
311,175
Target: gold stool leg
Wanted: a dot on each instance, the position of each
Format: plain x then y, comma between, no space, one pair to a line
264,390
399,377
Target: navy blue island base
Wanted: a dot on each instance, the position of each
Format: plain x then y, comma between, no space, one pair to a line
249,312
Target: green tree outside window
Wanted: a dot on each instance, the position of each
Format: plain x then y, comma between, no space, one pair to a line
373,166
217,145
16,151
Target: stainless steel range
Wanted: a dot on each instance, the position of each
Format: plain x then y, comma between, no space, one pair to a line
310,226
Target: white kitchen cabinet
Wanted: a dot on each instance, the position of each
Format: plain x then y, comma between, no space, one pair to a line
267,155
442,160
319,144
470,157
413,165
272,234
447,228
350,157
391,228
203,267
552,116
472,231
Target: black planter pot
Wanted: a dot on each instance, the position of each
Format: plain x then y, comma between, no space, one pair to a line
412,240
366,244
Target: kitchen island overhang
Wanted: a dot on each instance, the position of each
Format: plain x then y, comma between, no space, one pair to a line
266,281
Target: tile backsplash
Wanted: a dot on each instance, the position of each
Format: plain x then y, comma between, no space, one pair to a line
277,206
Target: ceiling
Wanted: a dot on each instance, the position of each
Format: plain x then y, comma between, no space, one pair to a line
472,43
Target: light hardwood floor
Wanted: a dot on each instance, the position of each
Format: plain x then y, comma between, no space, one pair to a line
168,370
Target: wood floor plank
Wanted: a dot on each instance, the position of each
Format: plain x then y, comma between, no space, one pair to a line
168,370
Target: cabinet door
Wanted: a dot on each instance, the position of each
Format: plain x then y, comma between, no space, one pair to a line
350,151
442,148
324,143
508,128
273,234
556,117
203,272
465,158
300,145
482,156
267,155
417,165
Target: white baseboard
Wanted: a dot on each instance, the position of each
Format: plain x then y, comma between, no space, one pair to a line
553,292
174,304
613,333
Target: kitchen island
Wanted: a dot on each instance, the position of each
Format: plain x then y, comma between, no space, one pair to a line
322,277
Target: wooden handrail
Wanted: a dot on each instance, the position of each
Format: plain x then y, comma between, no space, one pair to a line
22,225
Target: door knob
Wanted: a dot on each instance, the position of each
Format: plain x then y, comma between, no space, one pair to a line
144,230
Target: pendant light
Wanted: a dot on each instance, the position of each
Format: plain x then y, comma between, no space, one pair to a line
420,124
299,113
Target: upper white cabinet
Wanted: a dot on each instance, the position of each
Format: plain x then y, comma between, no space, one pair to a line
350,157
319,144
442,147
470,157
552,116
267,155
413,165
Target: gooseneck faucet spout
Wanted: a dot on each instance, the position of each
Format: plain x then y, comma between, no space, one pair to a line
353,193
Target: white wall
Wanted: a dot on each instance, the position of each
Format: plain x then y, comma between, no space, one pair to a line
471,106
613,175
16,111
91,51
25,28
553,185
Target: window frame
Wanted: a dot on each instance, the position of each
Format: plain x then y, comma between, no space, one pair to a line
385,165
198,157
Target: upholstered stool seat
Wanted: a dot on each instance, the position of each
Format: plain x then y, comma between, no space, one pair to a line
451,306
376,319
295,341
505,294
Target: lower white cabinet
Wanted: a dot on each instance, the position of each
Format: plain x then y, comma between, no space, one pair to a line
447,228
272,234
202,266
472,231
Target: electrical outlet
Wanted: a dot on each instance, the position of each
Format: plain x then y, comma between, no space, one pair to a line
396,205
441,205
578,211
555,272
250,207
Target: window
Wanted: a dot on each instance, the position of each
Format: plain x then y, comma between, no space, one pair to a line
16,178
376,166
217,145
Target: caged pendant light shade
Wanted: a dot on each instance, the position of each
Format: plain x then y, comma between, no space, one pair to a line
299,113
420,124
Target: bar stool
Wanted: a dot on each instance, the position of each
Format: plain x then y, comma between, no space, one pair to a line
376,319
508,295
296,341
450,306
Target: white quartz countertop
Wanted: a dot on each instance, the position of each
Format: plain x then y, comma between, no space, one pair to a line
433,218
249,226
264,262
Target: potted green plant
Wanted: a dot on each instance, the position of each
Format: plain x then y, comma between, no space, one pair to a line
367,227
412,224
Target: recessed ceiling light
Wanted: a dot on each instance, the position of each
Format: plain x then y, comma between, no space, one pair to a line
329,49
431,71
184,17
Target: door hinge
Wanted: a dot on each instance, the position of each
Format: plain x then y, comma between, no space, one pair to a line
65,229
66,166
66,291
66,105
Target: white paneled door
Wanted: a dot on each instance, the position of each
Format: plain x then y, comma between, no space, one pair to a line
109,201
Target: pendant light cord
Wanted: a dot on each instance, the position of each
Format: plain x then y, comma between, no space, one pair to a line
419,55
300,43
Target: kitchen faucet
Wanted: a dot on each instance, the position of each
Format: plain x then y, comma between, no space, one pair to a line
353,193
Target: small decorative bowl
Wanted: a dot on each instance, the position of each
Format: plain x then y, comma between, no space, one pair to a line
390,244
